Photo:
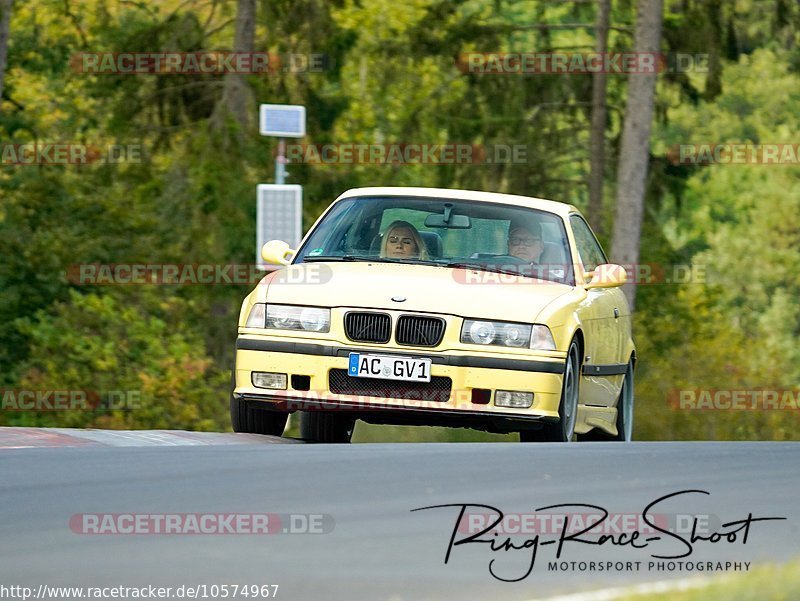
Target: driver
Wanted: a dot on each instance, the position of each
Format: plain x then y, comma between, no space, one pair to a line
402,241
525,241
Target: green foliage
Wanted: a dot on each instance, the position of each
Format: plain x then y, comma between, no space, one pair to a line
137,344
738,223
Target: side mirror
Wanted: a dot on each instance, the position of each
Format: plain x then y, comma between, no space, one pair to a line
606,276
277,252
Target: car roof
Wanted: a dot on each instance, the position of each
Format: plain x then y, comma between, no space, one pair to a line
551,206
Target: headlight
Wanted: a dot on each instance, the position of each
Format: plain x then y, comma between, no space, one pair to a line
315,320
290,317
511,335
480,332
497,333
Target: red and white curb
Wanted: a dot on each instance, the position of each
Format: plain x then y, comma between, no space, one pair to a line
30,438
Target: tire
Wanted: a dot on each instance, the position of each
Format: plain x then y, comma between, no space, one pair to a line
564,429
247,417
625,404
326,427
625,407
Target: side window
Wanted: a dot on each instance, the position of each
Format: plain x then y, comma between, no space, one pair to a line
589,248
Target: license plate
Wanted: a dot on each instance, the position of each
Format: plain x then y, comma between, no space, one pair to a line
387,367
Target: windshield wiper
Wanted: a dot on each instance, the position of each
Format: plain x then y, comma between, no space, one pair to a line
330,258
485,267
354,258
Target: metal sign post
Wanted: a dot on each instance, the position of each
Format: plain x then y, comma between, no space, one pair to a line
280,163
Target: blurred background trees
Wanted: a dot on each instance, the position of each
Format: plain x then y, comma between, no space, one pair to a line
391,76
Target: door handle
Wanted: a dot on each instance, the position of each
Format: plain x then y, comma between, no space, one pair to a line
616,313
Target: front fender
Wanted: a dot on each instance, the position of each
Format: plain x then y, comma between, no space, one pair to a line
561,316
257,295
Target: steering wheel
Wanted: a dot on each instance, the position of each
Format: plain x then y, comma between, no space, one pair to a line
507,259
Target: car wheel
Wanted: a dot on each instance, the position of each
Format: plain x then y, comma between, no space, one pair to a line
326,427
564,429
625,407
254,420
624,413
245,417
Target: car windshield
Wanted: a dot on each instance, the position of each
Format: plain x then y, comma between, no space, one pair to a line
445,232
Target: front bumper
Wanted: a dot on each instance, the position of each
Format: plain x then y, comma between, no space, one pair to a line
467,372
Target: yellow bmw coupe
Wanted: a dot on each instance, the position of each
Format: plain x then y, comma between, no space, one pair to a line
426,306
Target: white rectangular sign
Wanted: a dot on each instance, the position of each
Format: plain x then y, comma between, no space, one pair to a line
282,120
279,216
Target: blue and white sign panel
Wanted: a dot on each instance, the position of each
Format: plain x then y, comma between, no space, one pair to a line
279,216
282,120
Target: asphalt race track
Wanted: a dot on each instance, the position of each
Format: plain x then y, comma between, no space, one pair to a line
373,546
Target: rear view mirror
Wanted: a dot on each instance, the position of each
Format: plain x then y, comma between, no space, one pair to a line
455,222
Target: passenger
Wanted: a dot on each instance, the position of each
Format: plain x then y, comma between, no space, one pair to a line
402,241
525,241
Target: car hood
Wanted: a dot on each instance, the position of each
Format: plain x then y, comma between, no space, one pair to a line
425,288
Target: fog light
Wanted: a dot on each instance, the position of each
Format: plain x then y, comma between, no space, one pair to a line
513,398
263,379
